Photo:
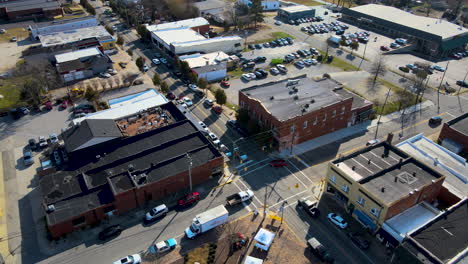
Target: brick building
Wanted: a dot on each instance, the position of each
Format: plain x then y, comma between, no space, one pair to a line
300,109
30,9
380,182
454,134
148,161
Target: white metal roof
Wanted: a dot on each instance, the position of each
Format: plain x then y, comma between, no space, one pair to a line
74,55
252,260
130,106
454,167
212,213
199,60
178,35
73,35
410,220
190,23
296,8
434,26
264,237
206,41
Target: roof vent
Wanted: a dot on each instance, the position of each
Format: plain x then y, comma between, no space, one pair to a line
353,168
296,97
50,208
306,106
272,97
369,161
396,179
382,189
312,101
131,167
414,174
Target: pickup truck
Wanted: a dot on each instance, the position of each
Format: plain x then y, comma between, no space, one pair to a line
319,250
309,206
239,197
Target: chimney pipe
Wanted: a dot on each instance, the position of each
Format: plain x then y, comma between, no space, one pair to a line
353,168
383,189
369,161
396,179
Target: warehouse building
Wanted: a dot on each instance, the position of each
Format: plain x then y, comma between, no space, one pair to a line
146,159
295,12
435,37
198,24
268,5
30,9
212,66
300,109
62,25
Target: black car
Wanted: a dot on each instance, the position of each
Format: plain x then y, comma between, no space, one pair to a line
260,59
263,72
258,46
462,83
258,74
273,44
32,144
111,231
251,46
358,240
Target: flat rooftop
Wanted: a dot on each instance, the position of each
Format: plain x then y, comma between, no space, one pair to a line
20,5
296,8
74,35
386,172
142,122
286,99
454,167
434,26
178,35
410,220
76,55
63,21
205,41
200,60
445,236
187,23
460,123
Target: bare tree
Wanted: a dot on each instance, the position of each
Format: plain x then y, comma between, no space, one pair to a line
230,230
117,82
233,17
378,68
103,84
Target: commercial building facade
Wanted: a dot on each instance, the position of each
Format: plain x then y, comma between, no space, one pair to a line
380,181
62,25
212,66
299,109
268,5
120,174
295,12
454,134
433,37
30,9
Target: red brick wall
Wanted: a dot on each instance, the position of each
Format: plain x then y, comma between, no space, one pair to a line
15,15
428,194
202,29
447,197
302,134
449,133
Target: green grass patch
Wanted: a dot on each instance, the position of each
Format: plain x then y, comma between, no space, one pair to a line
307,2
339,63
236,73
407,99
274,36
232,106
10,90
19,33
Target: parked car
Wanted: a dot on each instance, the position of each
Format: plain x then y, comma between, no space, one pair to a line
250,46
411,66
404,69
53,138
438,68
187,101
130,259
32,144
309,206
111,231
435,120
156,213
372,142
258,46
171,95
163,246
225,84
28,158
274,71
278,163
104,75
189,199
13,39
203,125
212,136
462,83
384,48
278,23
456,56
260,59
43,142
57,158
281,68
111,71
217,109
337,220
394,45
358,240
208,102
156,61
145,68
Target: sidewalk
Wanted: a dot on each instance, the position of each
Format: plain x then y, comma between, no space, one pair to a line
4,249
350,131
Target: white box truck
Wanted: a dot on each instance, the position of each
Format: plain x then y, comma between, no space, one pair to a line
207,221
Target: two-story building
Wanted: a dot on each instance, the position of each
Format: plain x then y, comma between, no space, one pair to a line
381,181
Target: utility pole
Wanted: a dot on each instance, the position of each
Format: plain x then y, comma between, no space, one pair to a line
380,116
189,159
265,202
292,140
281,209
440,85
363,56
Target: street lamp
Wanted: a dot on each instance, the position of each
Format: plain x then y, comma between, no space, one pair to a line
189,159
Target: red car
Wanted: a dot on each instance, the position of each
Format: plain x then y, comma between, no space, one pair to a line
217,109
64,105
384,48
171,96
189,199
278,163
225,84
48,105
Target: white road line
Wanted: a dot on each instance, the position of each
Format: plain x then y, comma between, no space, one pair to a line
302,172
282,201
250,171
450,114
305,186
307,197
303,162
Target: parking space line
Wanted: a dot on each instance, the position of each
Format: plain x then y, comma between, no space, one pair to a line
253,170
302,172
